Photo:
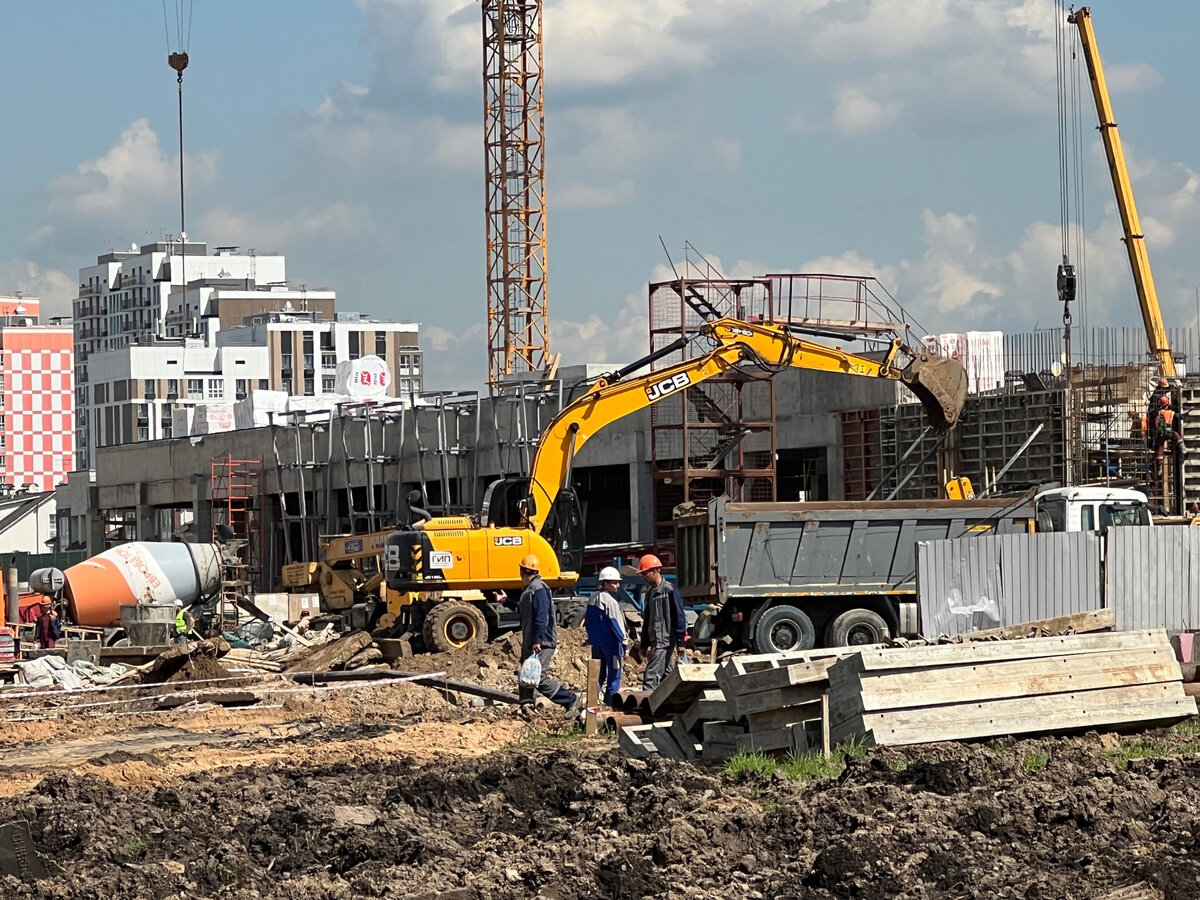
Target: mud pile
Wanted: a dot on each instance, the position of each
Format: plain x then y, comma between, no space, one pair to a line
495,664
581,821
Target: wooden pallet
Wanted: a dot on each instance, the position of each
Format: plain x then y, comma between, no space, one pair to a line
680,688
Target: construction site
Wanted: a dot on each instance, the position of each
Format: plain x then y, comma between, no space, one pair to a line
894,612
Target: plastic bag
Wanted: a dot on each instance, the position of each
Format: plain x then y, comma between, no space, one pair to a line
530,673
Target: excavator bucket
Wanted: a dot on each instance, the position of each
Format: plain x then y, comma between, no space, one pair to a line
940,383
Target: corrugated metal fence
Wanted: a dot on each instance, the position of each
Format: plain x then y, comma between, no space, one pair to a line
992,581
1153,577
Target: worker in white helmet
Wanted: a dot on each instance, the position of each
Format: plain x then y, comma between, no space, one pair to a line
606,631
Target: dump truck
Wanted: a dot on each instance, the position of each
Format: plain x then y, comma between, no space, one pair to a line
792,576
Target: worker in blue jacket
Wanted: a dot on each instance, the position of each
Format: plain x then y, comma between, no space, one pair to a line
606,631
539,634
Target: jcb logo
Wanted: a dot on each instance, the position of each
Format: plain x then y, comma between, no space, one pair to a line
508,541
668,386
741,331
391,558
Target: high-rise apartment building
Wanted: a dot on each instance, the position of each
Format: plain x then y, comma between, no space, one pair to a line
37,427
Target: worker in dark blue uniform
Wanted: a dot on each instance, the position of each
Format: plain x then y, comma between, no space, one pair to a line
539,634
606,631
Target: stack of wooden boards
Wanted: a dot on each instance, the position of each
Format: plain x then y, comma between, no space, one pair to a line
809,701
1040,685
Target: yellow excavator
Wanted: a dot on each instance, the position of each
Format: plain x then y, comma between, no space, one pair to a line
462,555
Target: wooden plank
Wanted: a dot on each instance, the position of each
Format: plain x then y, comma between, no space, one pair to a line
1131,705
714,752
1079,623
722,732
591,725
681,686
765,701
686,740
662,739
1001,680
710,706
783,676
781,718
766,741
985,651
744,665
631,743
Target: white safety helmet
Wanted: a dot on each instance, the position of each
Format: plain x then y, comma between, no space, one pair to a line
179,603
608,573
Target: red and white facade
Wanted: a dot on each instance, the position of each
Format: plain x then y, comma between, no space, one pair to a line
37,397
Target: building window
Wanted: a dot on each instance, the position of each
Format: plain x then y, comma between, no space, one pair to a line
143,411
381,344
404,360
148,390
328,360
216,389
285,385
172,388
308,362
308,386
262,384
286,361
143,433
240,388
354,344
195,388
328,384
416,366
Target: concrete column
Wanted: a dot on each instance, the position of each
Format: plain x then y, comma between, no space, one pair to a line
147,523
641,495
202,512
95,531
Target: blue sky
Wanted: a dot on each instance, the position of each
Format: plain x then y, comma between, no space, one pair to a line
910,139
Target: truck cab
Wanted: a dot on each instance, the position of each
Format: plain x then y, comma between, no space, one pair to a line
1090,509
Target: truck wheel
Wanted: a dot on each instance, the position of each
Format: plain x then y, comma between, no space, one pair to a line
454,626
784,628
857,628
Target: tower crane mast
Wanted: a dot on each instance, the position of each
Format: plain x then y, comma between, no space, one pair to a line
515,190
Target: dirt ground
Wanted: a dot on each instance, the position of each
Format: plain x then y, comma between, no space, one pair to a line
391,790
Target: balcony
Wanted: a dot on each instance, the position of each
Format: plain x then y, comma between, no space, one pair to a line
88,290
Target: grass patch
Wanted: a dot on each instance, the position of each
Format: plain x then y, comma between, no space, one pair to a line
1188,727
546,739
1139,749
743,767
1035,761
135,849
999,745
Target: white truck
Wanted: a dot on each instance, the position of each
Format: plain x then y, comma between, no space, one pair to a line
1090,509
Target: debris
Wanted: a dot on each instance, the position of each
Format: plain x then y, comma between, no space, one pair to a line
332,656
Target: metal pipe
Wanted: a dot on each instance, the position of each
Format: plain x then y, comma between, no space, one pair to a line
892,471
1008,465
433,681
616,721
924,459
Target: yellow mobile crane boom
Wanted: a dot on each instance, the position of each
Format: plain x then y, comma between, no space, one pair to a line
542,515
1135,241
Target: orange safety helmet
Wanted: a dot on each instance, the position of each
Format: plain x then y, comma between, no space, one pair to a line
648,562
530,563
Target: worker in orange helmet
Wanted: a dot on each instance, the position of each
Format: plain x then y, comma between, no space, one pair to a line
539,634
664,627
1166,428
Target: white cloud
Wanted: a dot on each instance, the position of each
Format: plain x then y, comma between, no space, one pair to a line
133,175
55,288
338,221
856,113
588,196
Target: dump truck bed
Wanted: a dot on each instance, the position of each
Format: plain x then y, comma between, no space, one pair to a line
752,550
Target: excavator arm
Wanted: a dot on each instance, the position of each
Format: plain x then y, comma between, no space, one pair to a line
939,382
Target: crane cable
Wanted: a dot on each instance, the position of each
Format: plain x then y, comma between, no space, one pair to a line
1072,208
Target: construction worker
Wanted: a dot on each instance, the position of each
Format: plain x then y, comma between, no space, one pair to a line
1166,428
1159,389
664,627
606,631
539,634
49,628
1137,426
184,623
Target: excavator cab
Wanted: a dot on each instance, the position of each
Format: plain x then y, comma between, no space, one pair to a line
564,530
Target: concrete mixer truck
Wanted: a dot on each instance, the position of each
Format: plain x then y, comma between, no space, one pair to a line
156,573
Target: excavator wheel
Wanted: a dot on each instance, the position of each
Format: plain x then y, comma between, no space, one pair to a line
454,626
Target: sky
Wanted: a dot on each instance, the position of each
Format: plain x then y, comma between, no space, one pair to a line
911,140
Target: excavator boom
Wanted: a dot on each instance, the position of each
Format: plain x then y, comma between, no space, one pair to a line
938,382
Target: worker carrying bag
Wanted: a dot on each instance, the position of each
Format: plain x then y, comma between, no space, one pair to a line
530,673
